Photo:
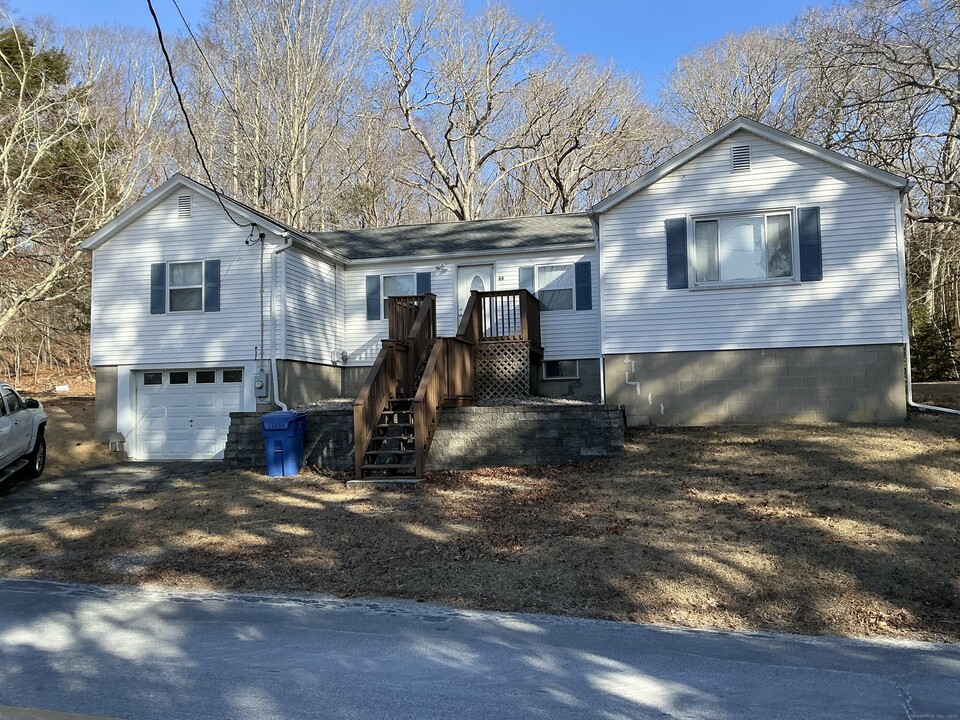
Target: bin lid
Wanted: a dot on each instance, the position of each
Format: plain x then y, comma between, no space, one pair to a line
280,419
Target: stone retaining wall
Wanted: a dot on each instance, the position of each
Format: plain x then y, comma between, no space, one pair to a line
473,437
467,438
328,440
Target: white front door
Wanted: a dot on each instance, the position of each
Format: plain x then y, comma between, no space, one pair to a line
472,277
185,414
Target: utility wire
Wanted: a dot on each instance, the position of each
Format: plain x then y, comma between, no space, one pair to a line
196,143
206,62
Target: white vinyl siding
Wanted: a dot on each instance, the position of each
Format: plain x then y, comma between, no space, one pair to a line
565,333
363,336
314,327
123,332
857,302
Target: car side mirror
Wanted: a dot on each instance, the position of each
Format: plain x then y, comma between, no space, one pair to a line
31,404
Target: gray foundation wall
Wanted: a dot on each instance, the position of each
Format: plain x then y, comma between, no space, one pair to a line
473,437
353,378
105,403
856,383
302,383
586,387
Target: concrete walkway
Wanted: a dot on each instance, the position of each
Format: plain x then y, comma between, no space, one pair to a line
72,650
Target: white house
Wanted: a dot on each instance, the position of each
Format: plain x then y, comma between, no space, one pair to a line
753,277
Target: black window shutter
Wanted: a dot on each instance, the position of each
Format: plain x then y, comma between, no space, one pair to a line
676,253
423,283
211,286
373,297
584,285
526,279
811,254
158,288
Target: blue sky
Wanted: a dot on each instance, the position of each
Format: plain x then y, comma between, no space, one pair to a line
642,37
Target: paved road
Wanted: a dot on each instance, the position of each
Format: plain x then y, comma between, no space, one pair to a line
130,654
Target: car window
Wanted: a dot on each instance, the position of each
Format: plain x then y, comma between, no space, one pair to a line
14,403
3,407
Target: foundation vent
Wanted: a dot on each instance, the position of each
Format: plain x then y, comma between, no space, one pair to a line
740,158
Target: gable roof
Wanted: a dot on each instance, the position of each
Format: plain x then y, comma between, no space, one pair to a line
764,131
169,187
458,238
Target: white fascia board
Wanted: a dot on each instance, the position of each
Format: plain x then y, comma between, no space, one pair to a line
764,131
474,256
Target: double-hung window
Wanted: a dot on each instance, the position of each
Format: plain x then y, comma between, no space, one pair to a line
397,286
563,286
185,287
192,286
743,248
555,287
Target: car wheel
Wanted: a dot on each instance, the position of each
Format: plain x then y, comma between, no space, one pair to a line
37,458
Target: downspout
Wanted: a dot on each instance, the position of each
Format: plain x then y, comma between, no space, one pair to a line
273,312
595,222
901,241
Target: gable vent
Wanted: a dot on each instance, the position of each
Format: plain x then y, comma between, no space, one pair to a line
740,158
183,206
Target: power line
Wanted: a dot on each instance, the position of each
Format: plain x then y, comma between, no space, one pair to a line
206,62
196,143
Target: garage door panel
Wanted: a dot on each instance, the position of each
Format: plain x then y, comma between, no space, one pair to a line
185,420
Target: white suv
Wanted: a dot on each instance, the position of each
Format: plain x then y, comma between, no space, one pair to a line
22,425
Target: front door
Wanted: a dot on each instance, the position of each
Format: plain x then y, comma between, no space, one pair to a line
469,278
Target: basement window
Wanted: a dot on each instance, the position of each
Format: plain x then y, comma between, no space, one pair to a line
561,370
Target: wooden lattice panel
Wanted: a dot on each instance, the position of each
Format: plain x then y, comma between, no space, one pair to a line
503,370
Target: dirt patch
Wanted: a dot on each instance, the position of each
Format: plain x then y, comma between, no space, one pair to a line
839,529
69,434
941,394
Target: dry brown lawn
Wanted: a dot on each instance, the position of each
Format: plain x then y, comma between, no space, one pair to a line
840,529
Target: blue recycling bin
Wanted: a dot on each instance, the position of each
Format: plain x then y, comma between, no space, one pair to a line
283,438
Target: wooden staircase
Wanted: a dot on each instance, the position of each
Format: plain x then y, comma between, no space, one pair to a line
391,454
417,373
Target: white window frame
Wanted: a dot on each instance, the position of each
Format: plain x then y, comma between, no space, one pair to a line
575,376
383,294
573,285
793,279
201,286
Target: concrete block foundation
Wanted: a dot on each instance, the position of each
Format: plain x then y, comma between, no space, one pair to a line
855,383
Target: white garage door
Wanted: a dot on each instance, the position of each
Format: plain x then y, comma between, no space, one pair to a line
185,414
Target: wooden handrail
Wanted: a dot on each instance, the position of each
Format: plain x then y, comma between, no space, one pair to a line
418,341
469,328
377,390
429,401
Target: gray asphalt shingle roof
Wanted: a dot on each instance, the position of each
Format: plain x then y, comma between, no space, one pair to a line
457,238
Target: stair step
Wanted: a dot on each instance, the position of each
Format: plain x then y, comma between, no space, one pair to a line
406,451
389,466
395,425
384,438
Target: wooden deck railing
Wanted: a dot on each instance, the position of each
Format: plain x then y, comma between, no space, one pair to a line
501,315
401,315
377,390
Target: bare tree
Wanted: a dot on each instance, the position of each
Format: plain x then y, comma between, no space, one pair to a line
270,83
457,85
589,131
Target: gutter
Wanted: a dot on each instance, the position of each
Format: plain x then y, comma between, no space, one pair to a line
273,312
921,406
